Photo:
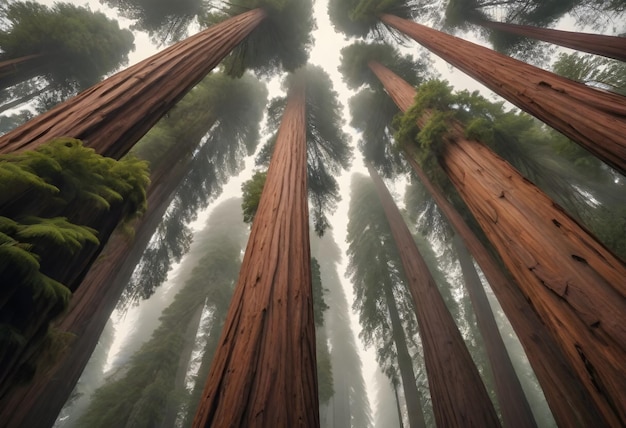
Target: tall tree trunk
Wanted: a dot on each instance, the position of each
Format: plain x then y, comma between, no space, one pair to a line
114,114
596,120
264,371
17,70
513,404
24,99
571,404
597,44
458,394
405,365
398,407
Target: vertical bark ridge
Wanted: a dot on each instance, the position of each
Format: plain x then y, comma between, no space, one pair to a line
263,373
596,120
597,44
112,115
604,383
458,394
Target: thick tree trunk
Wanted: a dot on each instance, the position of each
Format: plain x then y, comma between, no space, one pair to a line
264,371
17,70
513,404
114,114
554,373
405,365
596,120
597,44
457,391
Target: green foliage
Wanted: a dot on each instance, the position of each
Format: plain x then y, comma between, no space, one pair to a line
166,21
596,71
328,151
151,383
251,195
47,197
355,70
319,303
216,125
80,45
281,41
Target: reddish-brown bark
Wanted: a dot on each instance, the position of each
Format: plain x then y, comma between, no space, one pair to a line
572,281
597,44
458,394
264,371
112,115
594,119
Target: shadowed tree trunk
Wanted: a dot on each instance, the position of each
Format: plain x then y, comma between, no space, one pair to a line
114,114
574,283
405,365
598,44
596,120
39,402
457,391
24,99
14,71
513,404
264,371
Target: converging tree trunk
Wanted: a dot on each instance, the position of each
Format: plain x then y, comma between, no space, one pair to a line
574,283
405,364
457,391
513,404
598,44
114,114
14,71
264,371
596,120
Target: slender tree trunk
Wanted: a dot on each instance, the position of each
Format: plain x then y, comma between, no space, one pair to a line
457,391
17,70
596,120
24,99
264,371
513,404
114,114
597,44
405,365
598,363
570,402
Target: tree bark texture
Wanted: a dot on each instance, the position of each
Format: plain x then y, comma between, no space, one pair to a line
458,394
14,71
571,280
114,114
574,283
513,404
597,44
264,371
39,402
596,120
567,397
405,365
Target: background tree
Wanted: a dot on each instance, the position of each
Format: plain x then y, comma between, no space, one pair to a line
70,46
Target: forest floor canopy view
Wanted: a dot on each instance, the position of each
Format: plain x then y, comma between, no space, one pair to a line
281,213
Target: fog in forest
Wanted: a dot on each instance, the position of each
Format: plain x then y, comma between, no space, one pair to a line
312,212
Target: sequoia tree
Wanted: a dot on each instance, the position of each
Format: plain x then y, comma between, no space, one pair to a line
112,115
179,179
594,119
263,372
